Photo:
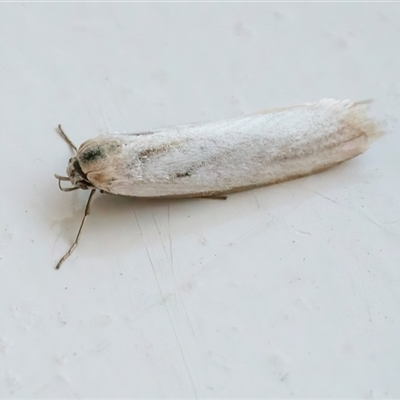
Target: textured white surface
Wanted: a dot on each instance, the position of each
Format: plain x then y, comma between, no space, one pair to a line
287,291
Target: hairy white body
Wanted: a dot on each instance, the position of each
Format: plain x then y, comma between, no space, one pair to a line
214,158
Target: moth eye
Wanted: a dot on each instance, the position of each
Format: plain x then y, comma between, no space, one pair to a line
82,185
70,160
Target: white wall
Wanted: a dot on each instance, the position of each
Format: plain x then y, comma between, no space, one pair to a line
286,291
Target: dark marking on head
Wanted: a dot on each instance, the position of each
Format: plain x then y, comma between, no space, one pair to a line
91,154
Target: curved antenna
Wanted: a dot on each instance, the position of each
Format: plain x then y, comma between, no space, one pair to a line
73,147
61,178
72,248
66,138
64,178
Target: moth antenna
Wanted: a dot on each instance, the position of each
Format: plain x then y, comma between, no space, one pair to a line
64,178
66,138
61,178
69,252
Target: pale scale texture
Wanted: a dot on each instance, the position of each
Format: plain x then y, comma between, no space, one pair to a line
231,155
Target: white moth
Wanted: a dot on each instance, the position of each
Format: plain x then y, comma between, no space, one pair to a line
217,158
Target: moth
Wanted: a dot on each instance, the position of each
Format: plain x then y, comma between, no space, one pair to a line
214,159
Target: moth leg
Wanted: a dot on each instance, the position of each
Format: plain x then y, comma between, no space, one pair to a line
64,178
66,138
69,252
61,178
215,197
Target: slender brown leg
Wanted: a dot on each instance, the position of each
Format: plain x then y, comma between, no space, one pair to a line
69,252
216,197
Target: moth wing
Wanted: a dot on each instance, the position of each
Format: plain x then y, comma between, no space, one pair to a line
232,155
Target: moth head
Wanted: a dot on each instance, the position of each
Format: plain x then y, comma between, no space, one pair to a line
76,176
90,163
